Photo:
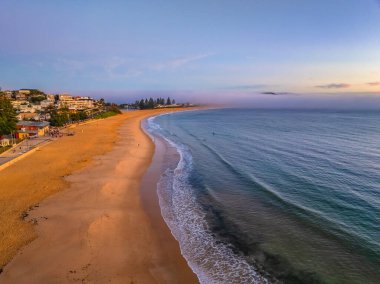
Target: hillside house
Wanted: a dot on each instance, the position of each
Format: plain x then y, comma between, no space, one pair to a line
4,142
31,129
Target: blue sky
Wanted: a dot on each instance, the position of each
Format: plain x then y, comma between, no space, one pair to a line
125,48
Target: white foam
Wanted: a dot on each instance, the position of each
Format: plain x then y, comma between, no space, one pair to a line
212,261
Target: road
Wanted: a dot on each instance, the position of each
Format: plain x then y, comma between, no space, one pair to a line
22,148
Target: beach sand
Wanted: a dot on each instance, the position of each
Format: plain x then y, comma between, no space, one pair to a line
94,229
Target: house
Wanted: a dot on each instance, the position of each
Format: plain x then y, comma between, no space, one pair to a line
75,103
65,101
21,95
44,116
27,108
28,116
19,104
4,142
50,98
31,128
24,91
46,103
8,94
84,103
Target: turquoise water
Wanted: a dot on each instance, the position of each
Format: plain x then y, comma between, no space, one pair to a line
274,195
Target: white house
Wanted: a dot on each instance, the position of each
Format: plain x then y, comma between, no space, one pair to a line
4,142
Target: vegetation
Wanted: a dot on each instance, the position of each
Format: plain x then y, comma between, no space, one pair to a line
6,148
64,116
36,99
153,103
111,110
8,118
59,118
104,114
37,93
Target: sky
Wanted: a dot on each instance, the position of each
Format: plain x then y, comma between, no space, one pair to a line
215,49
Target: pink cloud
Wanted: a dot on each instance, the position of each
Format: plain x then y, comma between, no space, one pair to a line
334,86
373,84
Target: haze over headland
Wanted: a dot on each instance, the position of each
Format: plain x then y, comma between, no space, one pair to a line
314,54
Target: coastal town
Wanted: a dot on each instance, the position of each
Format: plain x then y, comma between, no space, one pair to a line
56,136
30,117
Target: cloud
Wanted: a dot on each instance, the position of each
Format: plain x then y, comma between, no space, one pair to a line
334,86
276,93
105,68
64,64
118,67
373,84
179,62
113,63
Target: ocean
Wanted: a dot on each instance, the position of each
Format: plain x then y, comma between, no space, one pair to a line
274,196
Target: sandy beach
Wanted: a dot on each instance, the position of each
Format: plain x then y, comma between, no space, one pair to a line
87,222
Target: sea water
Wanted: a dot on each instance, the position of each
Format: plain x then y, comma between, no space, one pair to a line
268,196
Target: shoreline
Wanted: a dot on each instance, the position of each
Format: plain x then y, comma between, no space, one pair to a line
151,204
107,234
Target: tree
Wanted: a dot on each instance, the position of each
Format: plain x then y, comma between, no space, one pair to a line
83,115
50,109
36,99
168,101
60,118
36,92
150,103
8,118
74,116
114,108
173,101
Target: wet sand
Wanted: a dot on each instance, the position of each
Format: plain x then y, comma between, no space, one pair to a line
150,200
96,230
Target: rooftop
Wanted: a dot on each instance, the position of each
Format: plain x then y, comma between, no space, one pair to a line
33,123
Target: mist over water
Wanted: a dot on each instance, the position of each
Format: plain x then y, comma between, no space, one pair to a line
254,99
291,195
